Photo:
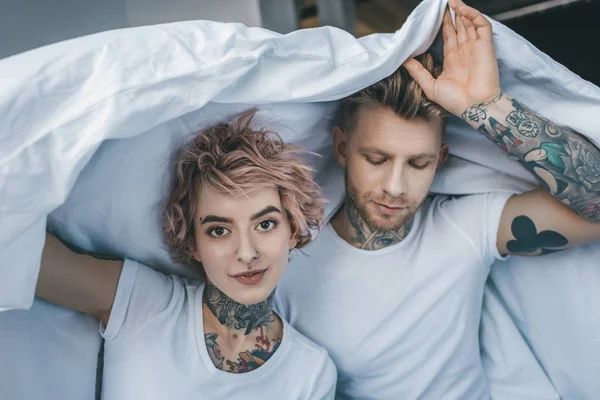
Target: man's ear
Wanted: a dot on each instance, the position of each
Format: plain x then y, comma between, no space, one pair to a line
340,145
444,152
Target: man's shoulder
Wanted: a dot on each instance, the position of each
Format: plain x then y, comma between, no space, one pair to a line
459,212
457,202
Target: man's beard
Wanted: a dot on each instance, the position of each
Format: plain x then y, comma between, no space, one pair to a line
383,222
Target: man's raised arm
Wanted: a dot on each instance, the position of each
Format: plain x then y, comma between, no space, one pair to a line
567,165
565,162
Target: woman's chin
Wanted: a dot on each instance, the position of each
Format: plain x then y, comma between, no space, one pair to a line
251,295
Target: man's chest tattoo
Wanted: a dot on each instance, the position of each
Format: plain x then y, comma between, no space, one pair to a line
244,361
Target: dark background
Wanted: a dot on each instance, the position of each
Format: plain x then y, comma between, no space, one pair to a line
566,30
570,35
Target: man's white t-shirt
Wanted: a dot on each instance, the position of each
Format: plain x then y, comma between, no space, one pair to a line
401,322
155,349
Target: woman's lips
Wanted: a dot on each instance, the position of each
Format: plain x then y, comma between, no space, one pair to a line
250,277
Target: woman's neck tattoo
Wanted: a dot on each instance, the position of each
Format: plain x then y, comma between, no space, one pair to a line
234,315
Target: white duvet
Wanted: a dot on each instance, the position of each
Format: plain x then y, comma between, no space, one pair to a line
88,125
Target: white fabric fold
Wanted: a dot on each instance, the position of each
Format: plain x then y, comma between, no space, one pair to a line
88,125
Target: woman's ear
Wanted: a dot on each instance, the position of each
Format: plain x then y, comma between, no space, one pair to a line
293,241
340,145
197,255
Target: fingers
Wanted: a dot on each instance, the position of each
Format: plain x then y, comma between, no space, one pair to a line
465,30
461,30
481,24
448,32
421,76
471,30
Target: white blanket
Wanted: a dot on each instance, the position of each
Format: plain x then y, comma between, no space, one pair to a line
88,125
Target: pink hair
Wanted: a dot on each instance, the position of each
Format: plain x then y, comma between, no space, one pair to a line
234,158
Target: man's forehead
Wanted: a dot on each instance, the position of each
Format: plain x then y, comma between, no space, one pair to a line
377,116
378,124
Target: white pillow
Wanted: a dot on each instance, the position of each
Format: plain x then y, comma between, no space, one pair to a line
140,90
48,352
115,207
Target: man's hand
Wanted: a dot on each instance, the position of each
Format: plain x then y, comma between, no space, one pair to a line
470,72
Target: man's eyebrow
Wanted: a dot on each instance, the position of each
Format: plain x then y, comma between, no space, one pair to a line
425,155
265,211
214,218
384,154
376,151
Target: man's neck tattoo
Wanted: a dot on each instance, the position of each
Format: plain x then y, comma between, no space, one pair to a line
234,315
364,237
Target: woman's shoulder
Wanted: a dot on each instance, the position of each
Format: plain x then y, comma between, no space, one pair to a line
304,347
323,377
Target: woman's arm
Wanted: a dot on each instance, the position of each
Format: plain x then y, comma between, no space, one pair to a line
77,281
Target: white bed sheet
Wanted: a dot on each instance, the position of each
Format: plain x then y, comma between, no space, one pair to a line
88,126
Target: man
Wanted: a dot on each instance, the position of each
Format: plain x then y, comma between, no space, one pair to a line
393,286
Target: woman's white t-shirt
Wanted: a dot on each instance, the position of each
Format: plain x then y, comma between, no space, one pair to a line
155,349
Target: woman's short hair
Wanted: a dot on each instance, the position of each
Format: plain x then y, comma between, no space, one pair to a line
235,158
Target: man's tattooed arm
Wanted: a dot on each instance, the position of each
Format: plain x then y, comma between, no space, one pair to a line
565,162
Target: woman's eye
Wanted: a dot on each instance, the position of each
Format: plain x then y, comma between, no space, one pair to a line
218,231
266,225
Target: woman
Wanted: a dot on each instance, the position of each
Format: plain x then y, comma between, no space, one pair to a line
241,201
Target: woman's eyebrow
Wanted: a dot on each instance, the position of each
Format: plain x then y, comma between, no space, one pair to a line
214,218
265,211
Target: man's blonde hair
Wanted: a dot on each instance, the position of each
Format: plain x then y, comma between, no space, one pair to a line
399,92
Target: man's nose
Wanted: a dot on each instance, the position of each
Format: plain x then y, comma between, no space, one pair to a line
394,183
